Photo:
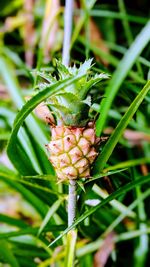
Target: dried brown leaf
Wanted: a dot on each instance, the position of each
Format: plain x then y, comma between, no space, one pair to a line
97,39
13,22
102,255
43,112
144,169
134,137
3,92
29,32
50,26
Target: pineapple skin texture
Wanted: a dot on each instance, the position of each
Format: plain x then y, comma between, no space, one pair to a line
73,150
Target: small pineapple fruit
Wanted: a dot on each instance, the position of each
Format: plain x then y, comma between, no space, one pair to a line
73,145
73,150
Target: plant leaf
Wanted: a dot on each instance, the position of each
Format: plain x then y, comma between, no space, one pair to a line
6,255
114,138
8,74
49,214
121,72
124,189
70,248
38,204
27,108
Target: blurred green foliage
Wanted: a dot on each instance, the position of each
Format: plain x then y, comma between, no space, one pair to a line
116,35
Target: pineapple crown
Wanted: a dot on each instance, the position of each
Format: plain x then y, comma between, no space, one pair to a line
71,104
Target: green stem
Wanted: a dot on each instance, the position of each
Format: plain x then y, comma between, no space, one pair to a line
72,235
70,248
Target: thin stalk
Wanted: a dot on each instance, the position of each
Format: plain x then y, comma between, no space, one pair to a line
72,202
68,15
72,198
72,235
67,31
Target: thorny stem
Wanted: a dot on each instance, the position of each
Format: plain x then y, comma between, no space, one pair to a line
67,31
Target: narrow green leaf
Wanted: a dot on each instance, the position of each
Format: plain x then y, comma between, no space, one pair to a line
30,231
22,163
8,74
124,189
133,234
106,172
120,74
4,135
49,214
94,246
81,22
38,204
117,205
127,164
6,171
12,221
30,184
6,255
114,138
111,59
46,177
117,15
28,107
70,248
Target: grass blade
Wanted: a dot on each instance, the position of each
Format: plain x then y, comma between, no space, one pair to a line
8,74
111,59
7,256
117,15
103,174
29,231
70,248
124,189
49,214
120,74
127,164
29,196
114,138
13,221
25,111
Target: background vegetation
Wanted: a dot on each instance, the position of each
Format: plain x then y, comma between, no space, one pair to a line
112,230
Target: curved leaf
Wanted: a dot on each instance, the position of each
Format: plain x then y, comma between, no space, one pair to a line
114,138
37,203
119,192
121,72
6,255
27,108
